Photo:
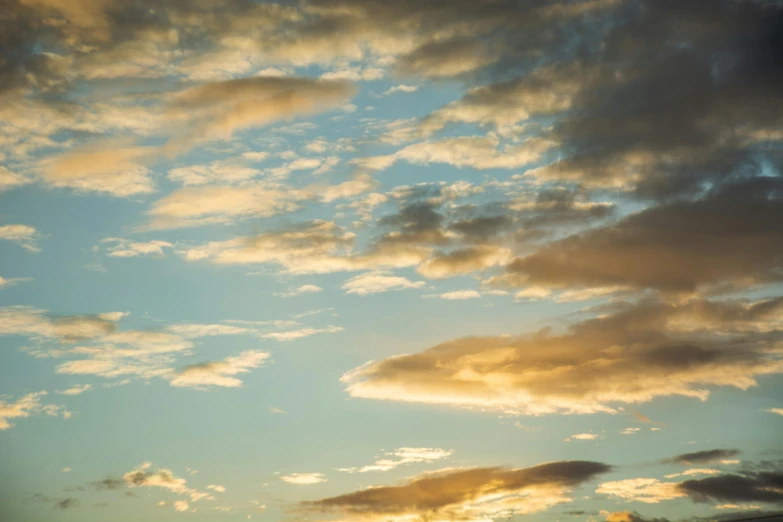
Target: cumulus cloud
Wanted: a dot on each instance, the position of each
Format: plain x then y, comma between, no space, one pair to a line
644,351
466,494
27,405
219,373
303,479
25,235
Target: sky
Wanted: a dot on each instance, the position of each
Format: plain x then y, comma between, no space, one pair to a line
391,261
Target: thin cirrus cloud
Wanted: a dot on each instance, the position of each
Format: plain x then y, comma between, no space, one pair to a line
378,282
400,457
304,479
119,247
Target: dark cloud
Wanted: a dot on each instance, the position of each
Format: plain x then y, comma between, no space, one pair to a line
57,503
764,486
109,483
704,457
66,503
730,235
647,350
453,491
664,96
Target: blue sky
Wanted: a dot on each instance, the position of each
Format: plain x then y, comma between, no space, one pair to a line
355,260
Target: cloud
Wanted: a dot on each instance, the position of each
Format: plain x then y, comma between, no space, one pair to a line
181,505
725,237
219,373
358,185
217,172
448,58
634,355
27,405
222,204
9,180
583,436
112,167
503,105
23,320
693,471
303,479
401,88
118,247
456,295
705,457
466,494
647,490
402,456
25,235
475,152
763,486
779,411
377,282
194,330
217,487
298,333
304,289
57,503
630,431
219,109
12,281
78,389
94,345
627,516
164,479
